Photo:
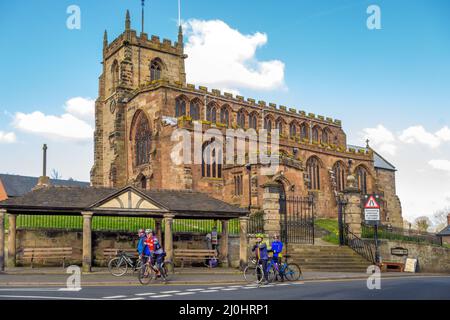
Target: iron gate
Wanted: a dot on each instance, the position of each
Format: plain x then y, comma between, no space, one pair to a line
297,219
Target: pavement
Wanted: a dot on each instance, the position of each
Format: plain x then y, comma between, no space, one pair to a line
23,277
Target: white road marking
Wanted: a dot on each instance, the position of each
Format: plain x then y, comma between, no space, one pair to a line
229,289
70,289
215,288
195,289
134,299
250,287
184,293
235,286
45,297
115,297
161,296
283,284
174,291
208,291
145,294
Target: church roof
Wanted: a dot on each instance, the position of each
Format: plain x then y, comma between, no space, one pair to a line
77,199
379,161
16,186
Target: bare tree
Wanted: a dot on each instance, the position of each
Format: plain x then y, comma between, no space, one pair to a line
422,223
440,218
55,175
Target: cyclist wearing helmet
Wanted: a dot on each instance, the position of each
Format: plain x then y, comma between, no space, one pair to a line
142,247
276,248
260,248
156,251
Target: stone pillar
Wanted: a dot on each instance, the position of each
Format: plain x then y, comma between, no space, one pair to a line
12,241
168,236
243,241
87,241
224,244
2,240
353,209
158,230
271,208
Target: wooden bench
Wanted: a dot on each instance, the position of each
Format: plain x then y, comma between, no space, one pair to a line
44,254
194,255
112,252
392,266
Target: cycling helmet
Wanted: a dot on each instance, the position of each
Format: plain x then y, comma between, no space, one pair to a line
149,231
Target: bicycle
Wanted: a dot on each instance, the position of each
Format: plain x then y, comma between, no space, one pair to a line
290,271
151,270
118,266
253,272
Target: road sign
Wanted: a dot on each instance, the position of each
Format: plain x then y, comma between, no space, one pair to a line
372,209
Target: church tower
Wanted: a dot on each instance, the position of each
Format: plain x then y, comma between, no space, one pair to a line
130,62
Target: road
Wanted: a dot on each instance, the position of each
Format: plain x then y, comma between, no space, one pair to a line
437,287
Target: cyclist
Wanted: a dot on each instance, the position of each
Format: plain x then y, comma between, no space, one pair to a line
156,251
276,248
142,247
260,248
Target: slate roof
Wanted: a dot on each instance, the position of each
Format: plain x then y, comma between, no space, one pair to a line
445,232
379,161
56,198
16,186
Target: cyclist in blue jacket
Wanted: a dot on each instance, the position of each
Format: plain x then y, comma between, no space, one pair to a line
276,248
142,247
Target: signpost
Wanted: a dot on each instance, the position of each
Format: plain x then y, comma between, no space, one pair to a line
372,217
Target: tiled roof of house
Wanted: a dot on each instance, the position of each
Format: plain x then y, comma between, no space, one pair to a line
16,185
445,231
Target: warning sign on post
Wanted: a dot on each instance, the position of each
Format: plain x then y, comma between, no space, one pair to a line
372,209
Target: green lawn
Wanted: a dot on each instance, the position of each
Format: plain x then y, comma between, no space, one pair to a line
330,225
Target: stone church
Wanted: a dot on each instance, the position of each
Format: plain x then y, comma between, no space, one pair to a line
144,97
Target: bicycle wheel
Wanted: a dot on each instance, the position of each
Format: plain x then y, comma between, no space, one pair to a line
169,269
145,274
137,266
253,274
293,272
272,273
118,266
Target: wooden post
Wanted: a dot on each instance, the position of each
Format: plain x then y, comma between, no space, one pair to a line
12,240
87,241
243,241
224,244
168,236
2,240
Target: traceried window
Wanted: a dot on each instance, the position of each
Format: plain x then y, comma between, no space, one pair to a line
325,136
224,116
361,176
238,185
211,163
268,124
313,169
253,121
195,110
315,134
115,75
142,140
241,119
340,176
180,107
280,126
211,113
293,129
304,134
155,70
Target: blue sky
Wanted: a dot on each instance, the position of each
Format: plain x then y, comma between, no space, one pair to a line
397,77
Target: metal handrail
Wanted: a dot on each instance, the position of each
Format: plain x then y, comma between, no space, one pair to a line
360,246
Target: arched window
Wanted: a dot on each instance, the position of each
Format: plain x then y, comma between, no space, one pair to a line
115,75
293,129
315,134
211,161
304,134
142,140
361,177
194,110
268,124
280,126
211,113
313,169
241,119
180,107
155,70
325,136
224,116
238,185
253,121
340,175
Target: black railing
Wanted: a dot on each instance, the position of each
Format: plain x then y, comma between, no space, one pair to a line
364,248
297,219
256,224
400,234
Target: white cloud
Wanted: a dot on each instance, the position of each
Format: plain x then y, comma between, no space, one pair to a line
7,137
74,125
381,139
418,134
443,165
222,57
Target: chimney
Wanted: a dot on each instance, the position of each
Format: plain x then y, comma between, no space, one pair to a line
448,219
43,180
